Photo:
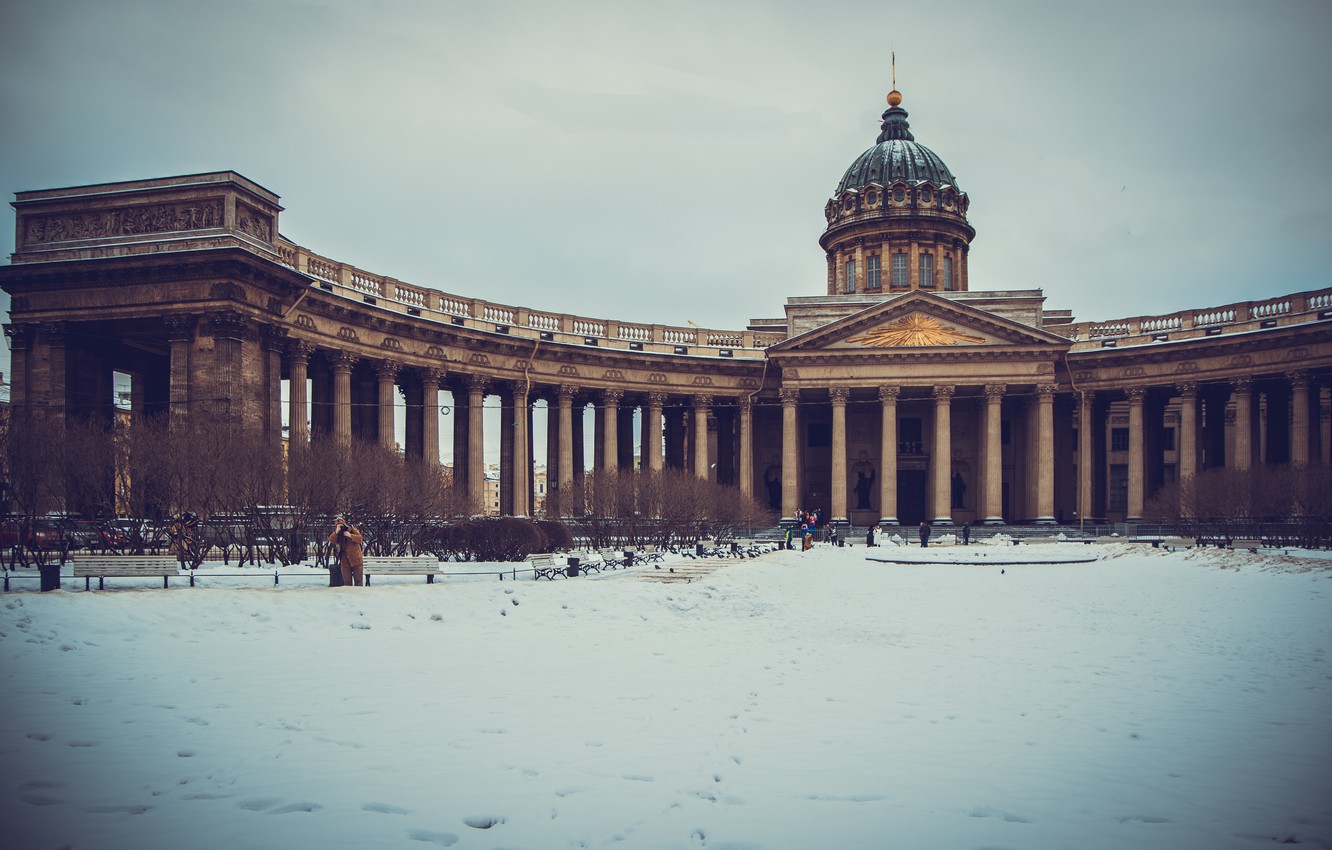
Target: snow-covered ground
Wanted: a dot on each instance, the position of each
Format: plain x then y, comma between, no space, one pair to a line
803,700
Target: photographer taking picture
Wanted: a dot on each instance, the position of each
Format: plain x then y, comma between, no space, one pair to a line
346,540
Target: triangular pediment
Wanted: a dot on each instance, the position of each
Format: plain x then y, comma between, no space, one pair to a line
917,321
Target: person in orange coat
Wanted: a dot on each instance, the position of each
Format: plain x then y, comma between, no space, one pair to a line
346,540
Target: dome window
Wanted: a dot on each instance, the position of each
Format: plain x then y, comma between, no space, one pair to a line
899,195
926,196
872,198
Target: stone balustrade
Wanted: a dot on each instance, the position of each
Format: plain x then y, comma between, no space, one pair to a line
389,294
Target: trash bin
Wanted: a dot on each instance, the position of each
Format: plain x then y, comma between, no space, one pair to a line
572,570
698,549
628,557
50,576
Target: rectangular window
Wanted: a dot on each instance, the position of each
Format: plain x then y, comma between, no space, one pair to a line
1168,439
900,271
926,271
1119,439
947,272
872,272
850,275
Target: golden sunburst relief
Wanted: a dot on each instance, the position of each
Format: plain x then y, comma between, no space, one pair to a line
914,330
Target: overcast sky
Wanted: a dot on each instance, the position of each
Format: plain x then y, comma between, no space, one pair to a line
669,162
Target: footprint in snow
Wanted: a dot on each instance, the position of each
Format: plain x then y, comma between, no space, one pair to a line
443,839
483,821
259,804
384,809
38,736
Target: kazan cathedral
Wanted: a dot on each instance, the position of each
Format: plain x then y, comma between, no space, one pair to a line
899,394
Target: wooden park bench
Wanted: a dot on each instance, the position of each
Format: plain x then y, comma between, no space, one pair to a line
610,559
386,565
546,566
1250,543
102,567
1170,544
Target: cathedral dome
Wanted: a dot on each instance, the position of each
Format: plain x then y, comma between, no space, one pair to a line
897,156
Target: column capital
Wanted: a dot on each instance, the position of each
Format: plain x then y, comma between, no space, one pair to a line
1135,395
274,337
20,336
1045,391
342,361
54,332
1299,379
1187,389
745,403
1241,385
226,324
431,375
657,399
388,370
995,391
180,327
565,393
839,396
888,394
790,395
702,401
477,383
1087,396
299,350
944,393
612,396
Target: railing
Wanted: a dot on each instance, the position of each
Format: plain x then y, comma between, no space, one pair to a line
1299,307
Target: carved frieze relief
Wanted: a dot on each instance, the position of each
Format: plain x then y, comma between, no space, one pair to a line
612,375
478,359
702,381
347,333
1187,367
250,220
1239,361
1132,372
391,343
567,371
123,221
656,378
1300,353
435,351
304,321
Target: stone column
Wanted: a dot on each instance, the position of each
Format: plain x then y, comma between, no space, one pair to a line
746,446
522,452
1188,433
274,342
566,397
1325,423
387,373
853,285
430,379
1299,418
342,362
993,509
790,452
476,443
1136,456
610,428
702,463
227,327
839,396
888,456
298,363
652,431
1241,393
1045,454
20,337
1086,461
461,425
941,460
180,334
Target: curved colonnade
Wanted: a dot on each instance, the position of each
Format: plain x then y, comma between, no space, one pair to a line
982,415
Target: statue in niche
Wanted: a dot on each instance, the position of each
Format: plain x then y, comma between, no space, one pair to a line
864,484
772,478
959,490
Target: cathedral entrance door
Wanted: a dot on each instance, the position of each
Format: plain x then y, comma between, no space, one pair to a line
911,496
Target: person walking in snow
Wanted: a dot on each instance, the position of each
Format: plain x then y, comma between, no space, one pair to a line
924,534
966,534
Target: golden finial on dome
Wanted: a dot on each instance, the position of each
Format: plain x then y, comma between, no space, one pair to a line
894,96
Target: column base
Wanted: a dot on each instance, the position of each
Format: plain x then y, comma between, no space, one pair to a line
1044,520
993,520
943,520
889,521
